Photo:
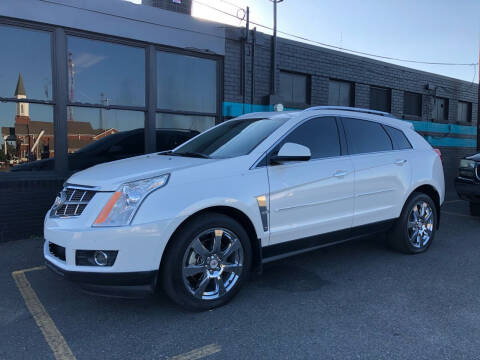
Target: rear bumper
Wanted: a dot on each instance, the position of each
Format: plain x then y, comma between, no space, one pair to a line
468,189
126,284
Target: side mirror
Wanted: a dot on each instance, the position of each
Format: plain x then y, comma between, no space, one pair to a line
291,152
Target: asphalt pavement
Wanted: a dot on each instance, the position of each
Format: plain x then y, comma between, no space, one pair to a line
358,300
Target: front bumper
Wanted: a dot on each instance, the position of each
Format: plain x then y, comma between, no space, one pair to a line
468,189
139,251
130,284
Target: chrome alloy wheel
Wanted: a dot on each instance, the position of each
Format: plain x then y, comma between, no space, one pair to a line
212,263
420,224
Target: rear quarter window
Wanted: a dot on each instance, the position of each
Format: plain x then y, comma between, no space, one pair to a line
399,140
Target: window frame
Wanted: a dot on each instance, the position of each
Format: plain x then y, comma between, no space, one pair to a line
469,111
113,40
28,25
420,97
60,102
389,94
446,110
219,84
352,90
40,27
308,90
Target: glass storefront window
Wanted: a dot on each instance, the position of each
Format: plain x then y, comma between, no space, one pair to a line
105,73
189,122
99,135
27,140
25,63
186,83
100,73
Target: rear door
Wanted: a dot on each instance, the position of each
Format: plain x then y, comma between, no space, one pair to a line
311,197
381,157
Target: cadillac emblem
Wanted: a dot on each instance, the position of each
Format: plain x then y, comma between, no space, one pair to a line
60,200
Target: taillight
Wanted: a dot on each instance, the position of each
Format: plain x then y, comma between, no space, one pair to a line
439,153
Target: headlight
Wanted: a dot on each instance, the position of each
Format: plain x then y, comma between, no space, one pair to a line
467,168
467,164
123,204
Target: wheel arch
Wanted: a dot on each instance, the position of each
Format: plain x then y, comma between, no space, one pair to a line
433,193
235,214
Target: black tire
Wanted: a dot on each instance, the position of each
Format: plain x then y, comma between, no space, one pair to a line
399,235
475,209
174,260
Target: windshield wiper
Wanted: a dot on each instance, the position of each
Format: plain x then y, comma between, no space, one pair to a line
186,154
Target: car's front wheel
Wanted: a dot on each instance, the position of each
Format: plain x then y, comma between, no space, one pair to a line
415,229
474,209
207,262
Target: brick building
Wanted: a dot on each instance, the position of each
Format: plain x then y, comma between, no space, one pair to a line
442,109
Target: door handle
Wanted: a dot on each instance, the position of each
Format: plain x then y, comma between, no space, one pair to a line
400,162
340,173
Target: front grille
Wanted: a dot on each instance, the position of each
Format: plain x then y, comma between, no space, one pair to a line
72,202
57,251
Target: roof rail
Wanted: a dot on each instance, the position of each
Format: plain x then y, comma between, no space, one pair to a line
353,109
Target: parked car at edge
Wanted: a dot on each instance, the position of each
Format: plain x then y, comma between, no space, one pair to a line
197,220
118,146
467,183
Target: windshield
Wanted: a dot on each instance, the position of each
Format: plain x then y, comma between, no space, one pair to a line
230,139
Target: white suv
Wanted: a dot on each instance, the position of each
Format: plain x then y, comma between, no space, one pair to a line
200,218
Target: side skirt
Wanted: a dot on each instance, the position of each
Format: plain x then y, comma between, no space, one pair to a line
311,243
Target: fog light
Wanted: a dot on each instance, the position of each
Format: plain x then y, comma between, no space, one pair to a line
95,257
101,258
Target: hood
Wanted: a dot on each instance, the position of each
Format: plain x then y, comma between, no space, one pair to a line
475,157
109,176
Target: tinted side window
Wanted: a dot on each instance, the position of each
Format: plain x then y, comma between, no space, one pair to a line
320,135
400,141
366,136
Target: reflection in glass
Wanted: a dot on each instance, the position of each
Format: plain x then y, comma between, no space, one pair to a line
99,135
18,49
105,73
189,122
186,83
26,137
94,124
231,138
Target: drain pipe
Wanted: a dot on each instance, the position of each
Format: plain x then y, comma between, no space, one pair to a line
244,59
252,72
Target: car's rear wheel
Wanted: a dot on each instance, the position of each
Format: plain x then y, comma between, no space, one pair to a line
415,229
475,209
207,262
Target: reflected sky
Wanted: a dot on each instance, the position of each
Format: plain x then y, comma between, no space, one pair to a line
116,71
186,83
27,52
120,120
